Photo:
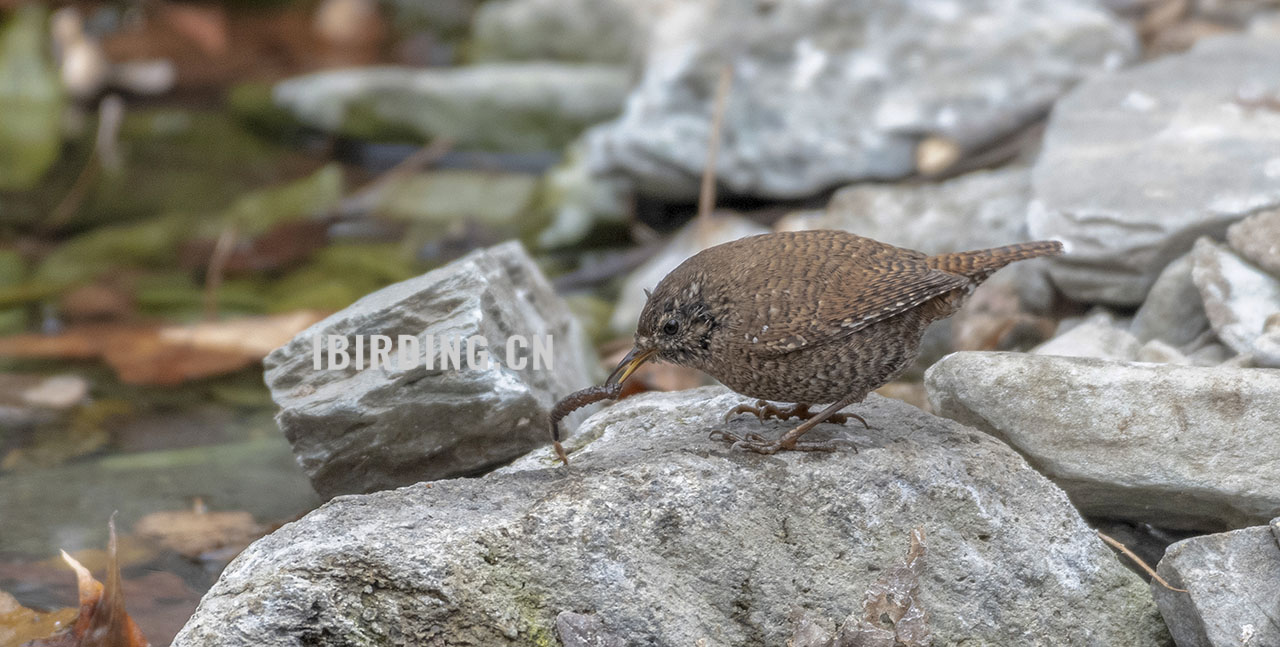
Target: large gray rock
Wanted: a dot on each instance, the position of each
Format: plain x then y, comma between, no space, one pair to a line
1174,446
1233,588
973,211
1136,165
363,430
828,92
1239,300
513,106
670,538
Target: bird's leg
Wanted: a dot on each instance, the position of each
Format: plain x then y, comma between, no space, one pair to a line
764,409
790,440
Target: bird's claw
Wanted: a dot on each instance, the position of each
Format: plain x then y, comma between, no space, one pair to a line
761,445
763,409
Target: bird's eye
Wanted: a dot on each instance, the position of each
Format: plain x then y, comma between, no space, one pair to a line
671,327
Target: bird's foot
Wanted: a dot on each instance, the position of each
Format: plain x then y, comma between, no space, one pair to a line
763,409
761,445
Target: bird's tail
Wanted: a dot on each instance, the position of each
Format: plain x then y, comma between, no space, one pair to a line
981,263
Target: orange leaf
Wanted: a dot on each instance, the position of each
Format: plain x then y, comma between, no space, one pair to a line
19,624
103,621
167,355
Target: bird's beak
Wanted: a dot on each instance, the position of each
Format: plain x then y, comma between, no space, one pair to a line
629,364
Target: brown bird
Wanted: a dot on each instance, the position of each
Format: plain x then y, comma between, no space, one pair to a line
805,317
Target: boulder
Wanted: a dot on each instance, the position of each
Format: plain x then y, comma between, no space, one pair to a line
666,537
1174,446
829,92
1233,588
1139,164
359,428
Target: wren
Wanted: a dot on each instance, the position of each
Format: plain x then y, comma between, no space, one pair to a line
805,317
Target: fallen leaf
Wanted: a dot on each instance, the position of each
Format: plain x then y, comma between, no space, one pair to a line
19,624
167,354
195,533
102,621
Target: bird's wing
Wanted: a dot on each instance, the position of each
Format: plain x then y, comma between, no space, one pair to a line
823,297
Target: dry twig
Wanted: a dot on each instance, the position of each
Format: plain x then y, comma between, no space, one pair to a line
707,195
1138,560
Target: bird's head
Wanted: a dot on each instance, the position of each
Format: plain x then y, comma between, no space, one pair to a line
676,325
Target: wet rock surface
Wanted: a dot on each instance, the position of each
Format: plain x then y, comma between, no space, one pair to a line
1174,446
824,93
670,538
359,430
1233,588
1190,131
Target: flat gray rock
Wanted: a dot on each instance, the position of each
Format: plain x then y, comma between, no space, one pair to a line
1239,299
665,537
828,92
1233,588
1136,165
1174,446
359,430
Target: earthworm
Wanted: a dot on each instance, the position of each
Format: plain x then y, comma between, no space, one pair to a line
575,401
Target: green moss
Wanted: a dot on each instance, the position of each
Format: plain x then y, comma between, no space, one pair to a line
537,630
